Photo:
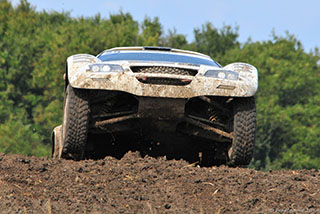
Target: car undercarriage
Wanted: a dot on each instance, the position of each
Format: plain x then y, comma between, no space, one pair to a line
119,116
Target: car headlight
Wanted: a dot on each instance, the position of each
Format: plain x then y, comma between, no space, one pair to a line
222,74
95,68
105,68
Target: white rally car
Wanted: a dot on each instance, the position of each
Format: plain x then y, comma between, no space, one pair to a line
158,91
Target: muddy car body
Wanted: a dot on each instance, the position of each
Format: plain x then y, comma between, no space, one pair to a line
158,93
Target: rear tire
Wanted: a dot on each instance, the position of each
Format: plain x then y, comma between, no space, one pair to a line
56,142
75,123
243,144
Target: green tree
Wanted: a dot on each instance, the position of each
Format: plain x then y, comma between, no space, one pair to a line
214,42
151,32
17,137
175,40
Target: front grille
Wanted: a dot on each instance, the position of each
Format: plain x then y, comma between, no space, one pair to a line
163,81
163,70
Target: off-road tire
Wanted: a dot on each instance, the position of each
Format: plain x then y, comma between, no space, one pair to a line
244,129
75,123
56,142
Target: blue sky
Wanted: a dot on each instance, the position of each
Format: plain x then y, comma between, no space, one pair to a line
256,18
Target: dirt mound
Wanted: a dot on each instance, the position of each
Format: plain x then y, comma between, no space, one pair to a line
150,185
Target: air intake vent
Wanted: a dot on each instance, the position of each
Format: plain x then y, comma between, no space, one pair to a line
164,70
164,81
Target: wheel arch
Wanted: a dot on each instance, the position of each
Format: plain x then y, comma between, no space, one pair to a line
78,64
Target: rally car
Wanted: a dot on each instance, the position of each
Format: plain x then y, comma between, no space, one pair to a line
158,92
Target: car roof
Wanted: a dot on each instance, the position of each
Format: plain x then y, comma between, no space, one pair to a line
155,48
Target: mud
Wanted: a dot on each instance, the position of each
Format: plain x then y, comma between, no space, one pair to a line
150,185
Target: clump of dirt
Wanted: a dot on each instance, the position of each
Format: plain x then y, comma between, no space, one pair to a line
150,185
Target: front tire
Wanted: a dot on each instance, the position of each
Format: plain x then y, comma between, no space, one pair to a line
244,129
75,123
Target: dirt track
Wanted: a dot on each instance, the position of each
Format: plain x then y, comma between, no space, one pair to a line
149,185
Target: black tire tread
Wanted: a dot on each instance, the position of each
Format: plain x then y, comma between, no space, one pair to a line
77,125
244,132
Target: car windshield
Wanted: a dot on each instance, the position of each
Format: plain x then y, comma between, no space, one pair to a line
156,57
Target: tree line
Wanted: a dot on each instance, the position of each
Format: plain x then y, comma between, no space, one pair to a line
34,47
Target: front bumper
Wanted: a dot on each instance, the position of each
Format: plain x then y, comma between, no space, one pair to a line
129,82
